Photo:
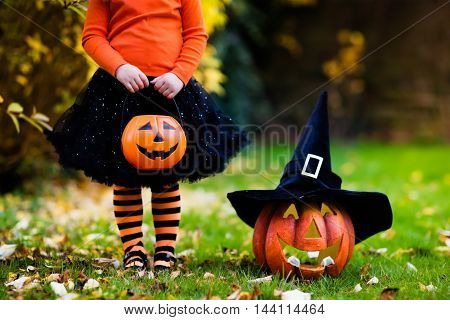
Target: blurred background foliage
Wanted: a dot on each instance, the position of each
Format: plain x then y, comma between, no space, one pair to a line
263,57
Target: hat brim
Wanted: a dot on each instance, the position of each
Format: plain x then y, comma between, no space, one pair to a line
370,212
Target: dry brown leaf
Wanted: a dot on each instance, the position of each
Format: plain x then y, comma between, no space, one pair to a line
175,274
107,262
234,295
399,252
364,271
66,275
82,277
54,277
255,293
389,293
244,295
422,287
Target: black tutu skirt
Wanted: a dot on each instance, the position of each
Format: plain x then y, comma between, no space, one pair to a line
88,135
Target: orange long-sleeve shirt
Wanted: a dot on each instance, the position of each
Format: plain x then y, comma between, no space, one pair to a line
157,36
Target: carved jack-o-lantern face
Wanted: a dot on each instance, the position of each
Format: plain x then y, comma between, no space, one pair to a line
152,142
321,238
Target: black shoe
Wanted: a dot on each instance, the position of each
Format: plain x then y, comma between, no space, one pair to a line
166,257
132,257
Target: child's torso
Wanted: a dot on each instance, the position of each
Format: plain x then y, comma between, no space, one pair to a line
144,31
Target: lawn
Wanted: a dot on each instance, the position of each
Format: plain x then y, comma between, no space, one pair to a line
60,225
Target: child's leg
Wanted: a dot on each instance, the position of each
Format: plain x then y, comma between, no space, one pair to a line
128,211
166,218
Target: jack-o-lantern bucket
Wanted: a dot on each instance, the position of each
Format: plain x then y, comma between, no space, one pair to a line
307,241
153,142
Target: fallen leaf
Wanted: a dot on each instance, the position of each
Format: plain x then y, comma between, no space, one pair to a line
261,280
255,292
82,277
18,283
388,234
208,275
411,267
443,250
22,224
357,288
83,252
373,280
244,295
107,262
58,288
234,295
70,285
277,292
7,250
69,296
31,269
174,274
388,293
399,252
97,294
430,287
364,271
444,233
379,251
66,276
295,295
33,285
91,284
140,273
54,277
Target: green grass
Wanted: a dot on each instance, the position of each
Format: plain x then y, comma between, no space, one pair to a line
416,178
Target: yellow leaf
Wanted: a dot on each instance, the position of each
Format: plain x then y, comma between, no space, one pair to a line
15,108
15,121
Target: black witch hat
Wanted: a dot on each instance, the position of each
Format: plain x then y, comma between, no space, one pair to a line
308,175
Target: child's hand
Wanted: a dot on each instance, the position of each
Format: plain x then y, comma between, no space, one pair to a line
132,78
168,85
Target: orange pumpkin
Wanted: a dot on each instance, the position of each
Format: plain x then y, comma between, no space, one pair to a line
153,142
288,229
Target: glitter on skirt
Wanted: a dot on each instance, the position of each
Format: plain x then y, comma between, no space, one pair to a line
88,135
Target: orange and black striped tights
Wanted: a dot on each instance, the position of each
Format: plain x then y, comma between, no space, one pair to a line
128,210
